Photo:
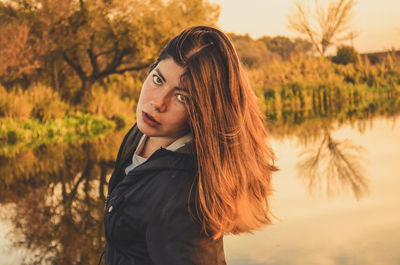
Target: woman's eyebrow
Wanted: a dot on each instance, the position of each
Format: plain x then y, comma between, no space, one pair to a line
160,74
163,78
181,89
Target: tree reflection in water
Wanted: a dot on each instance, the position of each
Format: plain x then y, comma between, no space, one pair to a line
57,195
334,166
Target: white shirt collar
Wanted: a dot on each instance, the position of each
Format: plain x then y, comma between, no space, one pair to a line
178,143
137,160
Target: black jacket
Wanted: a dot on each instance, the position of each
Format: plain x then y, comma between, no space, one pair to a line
146,215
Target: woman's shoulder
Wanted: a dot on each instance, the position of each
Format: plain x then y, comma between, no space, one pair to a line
177,173
164,175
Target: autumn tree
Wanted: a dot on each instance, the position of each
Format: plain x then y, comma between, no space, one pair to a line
18,59
325,26
96,38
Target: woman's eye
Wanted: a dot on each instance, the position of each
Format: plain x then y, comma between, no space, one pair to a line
157,80
181,98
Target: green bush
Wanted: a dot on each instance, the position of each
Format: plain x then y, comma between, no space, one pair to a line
345,55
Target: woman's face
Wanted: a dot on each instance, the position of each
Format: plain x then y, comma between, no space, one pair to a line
161,108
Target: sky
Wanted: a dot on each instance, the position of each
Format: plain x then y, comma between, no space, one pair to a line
376,21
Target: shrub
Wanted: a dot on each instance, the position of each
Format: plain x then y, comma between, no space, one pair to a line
345,55
107,104
14,104
40,102
46,103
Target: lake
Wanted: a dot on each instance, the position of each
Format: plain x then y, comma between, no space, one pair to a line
336,228
336,199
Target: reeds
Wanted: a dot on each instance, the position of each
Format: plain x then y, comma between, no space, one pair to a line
38,102
305,83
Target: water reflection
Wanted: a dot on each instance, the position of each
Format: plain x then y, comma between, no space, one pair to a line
333,166
307,126
56,193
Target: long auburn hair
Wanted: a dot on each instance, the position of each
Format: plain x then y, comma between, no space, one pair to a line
234,160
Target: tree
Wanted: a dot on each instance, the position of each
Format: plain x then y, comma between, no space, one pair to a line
17,56
96,38
327,26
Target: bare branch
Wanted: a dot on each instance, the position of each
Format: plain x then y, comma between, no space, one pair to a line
332,22
92,57
77,68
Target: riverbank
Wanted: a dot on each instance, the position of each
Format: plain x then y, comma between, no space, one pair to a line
16,134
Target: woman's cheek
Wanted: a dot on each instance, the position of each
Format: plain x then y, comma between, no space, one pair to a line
144,94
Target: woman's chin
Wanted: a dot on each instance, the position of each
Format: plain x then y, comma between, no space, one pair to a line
146,129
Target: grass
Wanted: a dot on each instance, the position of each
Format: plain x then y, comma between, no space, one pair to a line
17,134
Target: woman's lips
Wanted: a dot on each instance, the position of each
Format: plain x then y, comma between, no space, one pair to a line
148,119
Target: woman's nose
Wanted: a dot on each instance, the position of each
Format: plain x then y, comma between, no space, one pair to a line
159,102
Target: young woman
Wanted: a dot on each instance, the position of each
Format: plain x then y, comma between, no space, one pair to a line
196,165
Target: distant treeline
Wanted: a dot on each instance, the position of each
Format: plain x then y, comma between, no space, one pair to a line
285,73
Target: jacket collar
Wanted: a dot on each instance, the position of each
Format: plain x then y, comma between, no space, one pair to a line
133,139
182,158
168,157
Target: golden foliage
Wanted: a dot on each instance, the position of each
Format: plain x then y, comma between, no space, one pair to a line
14,104
39,102
107,103
17,55
46,103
